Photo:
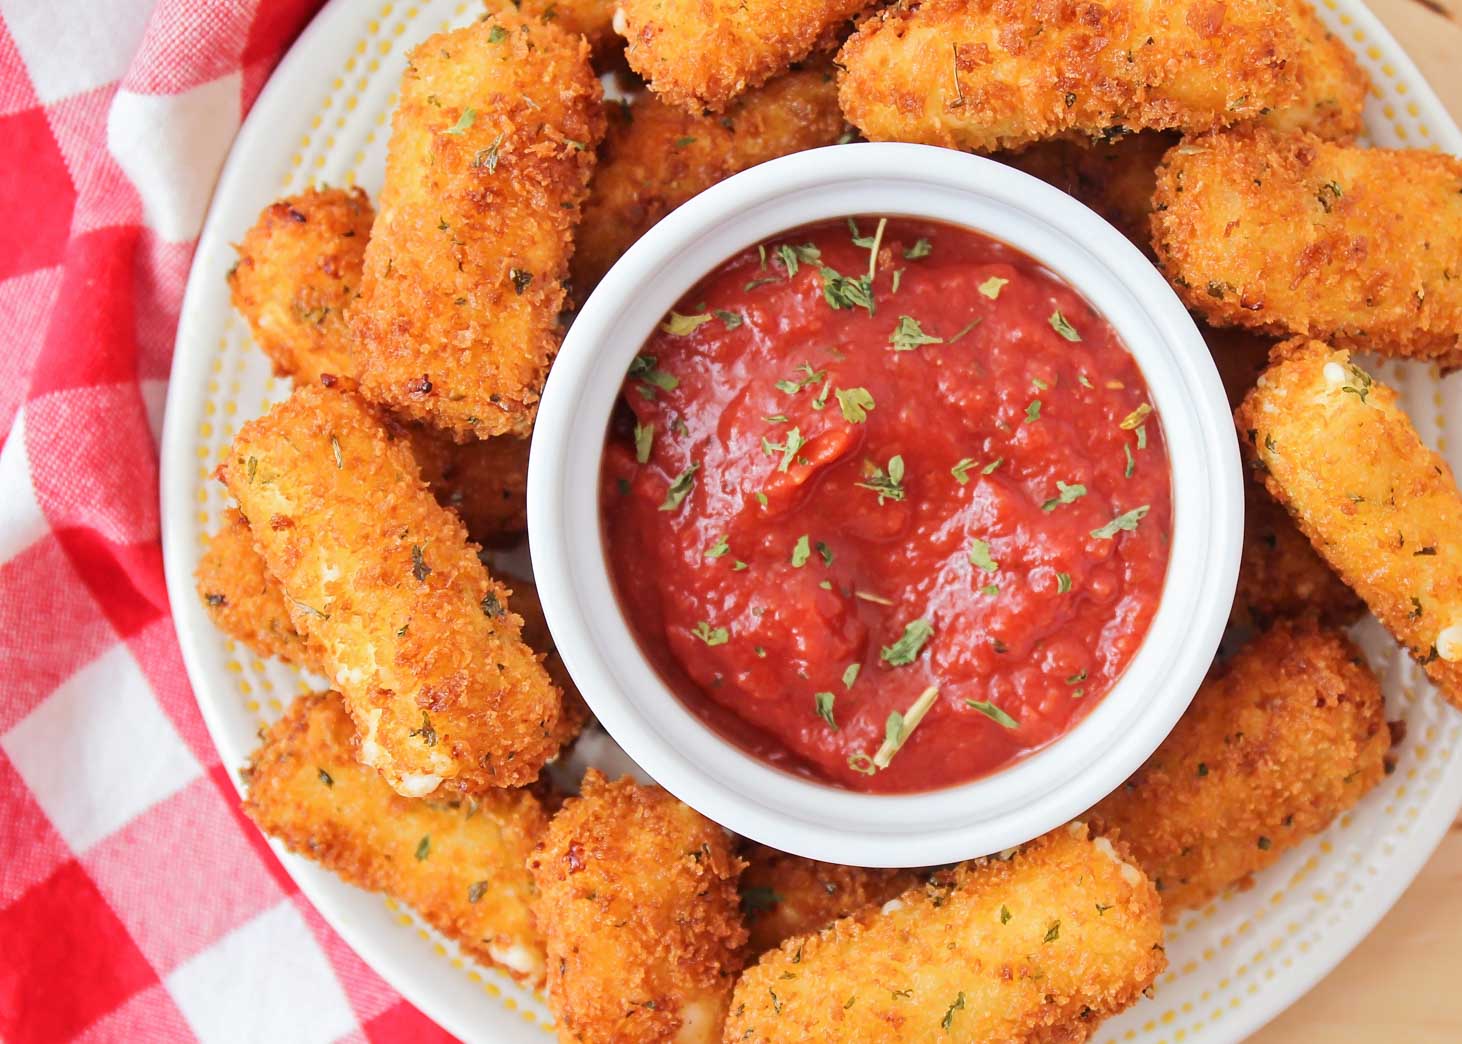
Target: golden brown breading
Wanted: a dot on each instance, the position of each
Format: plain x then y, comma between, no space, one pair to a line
1281,575
1294,235
485,481
411,628
1114,178
656,157
998,74
1338,451
1280,740
523,600
1333,86
785,895
460,863
591,19
299,268
491,150
637,903
699,55
1039,947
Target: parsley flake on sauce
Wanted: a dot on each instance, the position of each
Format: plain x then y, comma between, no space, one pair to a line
921,248
993,712
908,335
719,548
731,319
1063,326
678,325
644,441
683,484
850,674
1066,494
888,484
801,551
899,727
1033,411
643,369
842,291
904,651
823,701
787,449
980,556
961,471
991,287
1135,418
809,377
711,635
1125,522
1063,583
855,404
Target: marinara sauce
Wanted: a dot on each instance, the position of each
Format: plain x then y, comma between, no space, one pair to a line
886,503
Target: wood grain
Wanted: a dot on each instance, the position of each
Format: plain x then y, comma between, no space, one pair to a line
1401,983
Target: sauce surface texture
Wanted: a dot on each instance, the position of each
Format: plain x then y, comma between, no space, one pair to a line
891,534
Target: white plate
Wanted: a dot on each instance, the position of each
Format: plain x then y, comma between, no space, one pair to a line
1235,965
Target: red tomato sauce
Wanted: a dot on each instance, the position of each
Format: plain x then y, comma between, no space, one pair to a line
892,534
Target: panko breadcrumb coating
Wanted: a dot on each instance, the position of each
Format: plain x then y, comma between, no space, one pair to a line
1333,86
243,600
485,481
637,903
411,628
1039,947
460,863
997,74
1290,234
784,895
591,19
1280,740
700,55
656,157
1382,508
299,269
1114,178
491,150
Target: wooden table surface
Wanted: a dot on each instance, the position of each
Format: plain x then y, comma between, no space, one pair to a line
1401,983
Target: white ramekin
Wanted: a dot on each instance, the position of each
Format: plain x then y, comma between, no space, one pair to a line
639,710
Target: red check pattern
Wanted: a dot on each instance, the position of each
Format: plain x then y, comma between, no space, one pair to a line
136,903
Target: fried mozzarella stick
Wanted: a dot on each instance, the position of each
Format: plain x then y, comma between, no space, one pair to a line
491,150
1279,741
1332,85
1382,508
411,628
1290,234
637,902
1039,947
656,157
244,601
299,269
460,863
699,55
785,895
997,74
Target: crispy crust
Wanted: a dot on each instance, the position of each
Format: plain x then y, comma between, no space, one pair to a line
656,157
784,895
637,901
1378,505
460,864
1294,235
485,481
299,268
446,332
591,19
700,55
1286,736
1333,86
411,628
1040,947
998,74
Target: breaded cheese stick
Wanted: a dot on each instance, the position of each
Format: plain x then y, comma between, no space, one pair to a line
997,74
243,600
1383,509
1280,740
299,269
1332,85
655,157
491,150
1290,234
637,903
784,895
699,55
460,863
1039,947
411,628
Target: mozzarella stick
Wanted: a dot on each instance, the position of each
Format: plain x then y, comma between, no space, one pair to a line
1279,741
655,157
299,268
411,628
1332,85
1290,234
1041,946
997,74
637,902
491,150
1383,509
784,895
459,863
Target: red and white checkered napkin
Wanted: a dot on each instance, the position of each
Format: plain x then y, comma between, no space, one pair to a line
136,903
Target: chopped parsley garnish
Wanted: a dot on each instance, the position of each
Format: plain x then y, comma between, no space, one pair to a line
1033,411
961,471
855,404
966,328
681,143
1362,386
1062,326
801,551
731,319
477,890
1065,494
809,377
825,552
1054,932
419,569
899,727
1131,461
1063,583
711,635
1142,437
1004,914
908,335
993,712
850,674
678,325
1125,522
980,556
819,401
423,848
824,704
842,291
910,643
947,1022
464,122
921,248
499,34
787,449
989,468
325,777
683,484
887,484
719,548
991,287
643,369
1077,678
990,590
790,255
644,440
1135,418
